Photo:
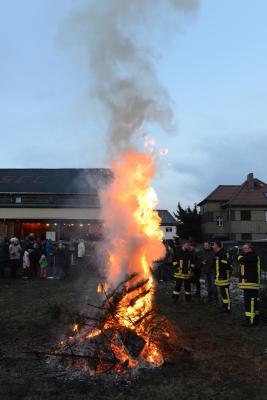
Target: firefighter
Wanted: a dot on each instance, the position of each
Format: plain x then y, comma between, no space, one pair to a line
249,281
183,266
223,271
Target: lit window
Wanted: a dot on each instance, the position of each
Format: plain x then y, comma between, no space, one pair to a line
219,221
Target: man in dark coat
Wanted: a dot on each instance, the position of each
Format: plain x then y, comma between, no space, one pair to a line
4,256
183,271
196,255
207,256
61,261
249,281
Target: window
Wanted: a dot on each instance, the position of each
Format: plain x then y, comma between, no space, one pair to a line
168,229
265,215
219,221
246,236
18,199
245,215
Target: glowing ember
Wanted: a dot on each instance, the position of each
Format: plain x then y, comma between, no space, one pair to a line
102,288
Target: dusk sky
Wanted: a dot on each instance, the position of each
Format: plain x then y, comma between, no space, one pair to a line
213,66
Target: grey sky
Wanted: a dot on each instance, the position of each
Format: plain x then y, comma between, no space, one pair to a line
214,68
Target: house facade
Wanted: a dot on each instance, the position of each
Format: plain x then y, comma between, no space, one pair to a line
58,203
168,224
236,212
52,203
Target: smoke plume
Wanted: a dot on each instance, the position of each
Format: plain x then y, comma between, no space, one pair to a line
115,36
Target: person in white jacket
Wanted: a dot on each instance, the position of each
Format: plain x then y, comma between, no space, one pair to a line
14,256
26,264
81,249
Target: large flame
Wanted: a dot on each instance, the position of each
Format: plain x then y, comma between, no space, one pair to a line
131,222
134,241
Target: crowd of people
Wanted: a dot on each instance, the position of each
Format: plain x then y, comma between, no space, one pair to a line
34,257
187,263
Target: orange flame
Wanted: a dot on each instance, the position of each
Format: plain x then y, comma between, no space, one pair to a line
134,240
131,222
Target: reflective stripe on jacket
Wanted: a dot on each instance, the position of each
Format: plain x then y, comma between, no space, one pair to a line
183,264
222,269
250,271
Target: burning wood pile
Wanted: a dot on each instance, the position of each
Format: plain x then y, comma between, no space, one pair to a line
126,331
125,334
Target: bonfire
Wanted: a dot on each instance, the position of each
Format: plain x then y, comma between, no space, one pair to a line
126,331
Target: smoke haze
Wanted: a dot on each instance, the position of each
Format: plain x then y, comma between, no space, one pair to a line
115,37
123,76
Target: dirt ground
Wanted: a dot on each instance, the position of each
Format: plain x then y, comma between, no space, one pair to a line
227,361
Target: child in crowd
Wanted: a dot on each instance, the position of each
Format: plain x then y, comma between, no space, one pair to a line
43,267
26,264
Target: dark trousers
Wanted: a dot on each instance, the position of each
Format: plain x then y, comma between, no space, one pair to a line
211,288
164,272
225,298
196,280
14,265
32,271
251,301
187,288
2,269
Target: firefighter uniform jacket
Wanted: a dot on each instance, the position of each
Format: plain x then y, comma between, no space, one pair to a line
222,269
183,264
250,271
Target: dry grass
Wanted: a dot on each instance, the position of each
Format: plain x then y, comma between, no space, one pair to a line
228,361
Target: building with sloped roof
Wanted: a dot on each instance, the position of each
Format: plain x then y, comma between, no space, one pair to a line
57,203
236,212
168,224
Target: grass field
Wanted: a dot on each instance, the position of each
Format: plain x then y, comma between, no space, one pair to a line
227,361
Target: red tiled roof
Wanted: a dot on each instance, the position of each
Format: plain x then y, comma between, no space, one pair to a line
240,195
247,197
222,193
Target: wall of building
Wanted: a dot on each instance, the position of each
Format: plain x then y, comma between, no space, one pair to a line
257,226
210,211
50,213
169,232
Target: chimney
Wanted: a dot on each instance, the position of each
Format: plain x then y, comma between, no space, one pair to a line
250,180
